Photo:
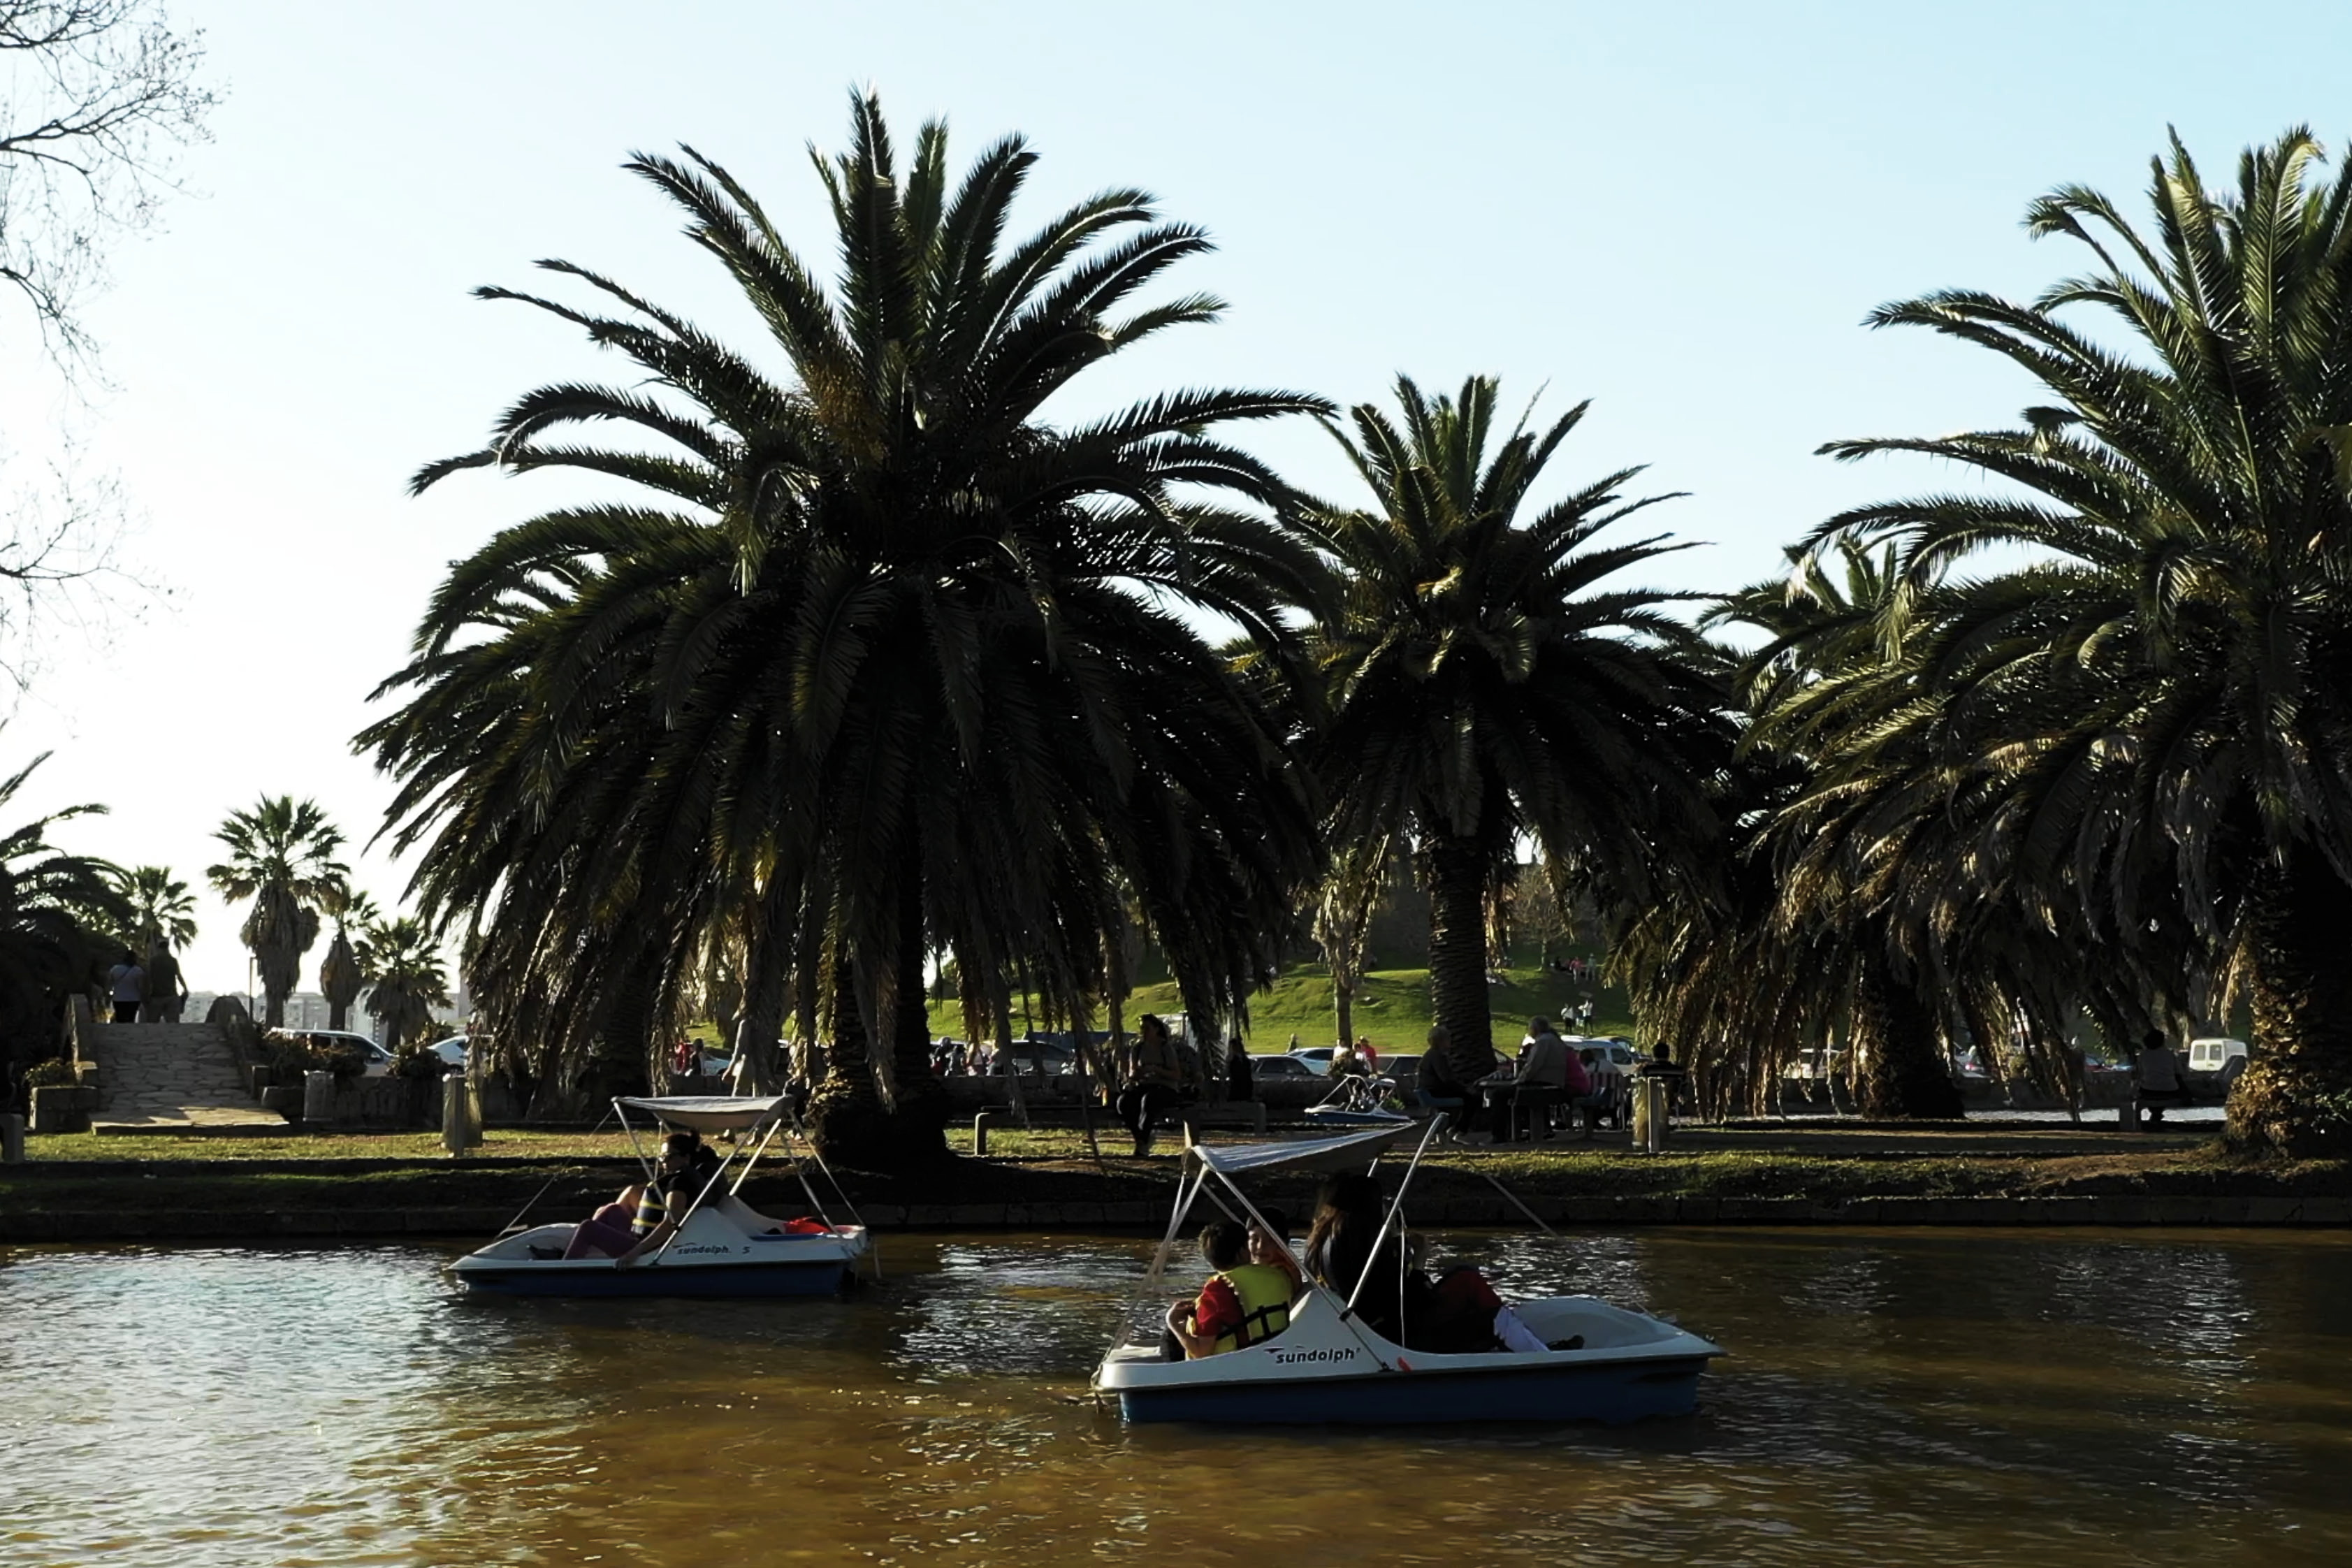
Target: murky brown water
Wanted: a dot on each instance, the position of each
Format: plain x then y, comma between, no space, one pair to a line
1945,1397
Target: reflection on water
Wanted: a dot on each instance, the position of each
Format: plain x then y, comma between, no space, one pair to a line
1941,1397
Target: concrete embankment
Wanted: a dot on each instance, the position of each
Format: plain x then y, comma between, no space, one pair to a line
92,1200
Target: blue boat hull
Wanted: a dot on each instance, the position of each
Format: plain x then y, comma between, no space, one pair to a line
826,1276
1610,1391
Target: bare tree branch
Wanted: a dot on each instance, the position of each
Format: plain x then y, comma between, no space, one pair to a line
97,98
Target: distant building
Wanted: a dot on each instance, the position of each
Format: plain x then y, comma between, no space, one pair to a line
309,1010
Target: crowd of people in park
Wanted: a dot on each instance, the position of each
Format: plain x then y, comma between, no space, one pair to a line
1491,1100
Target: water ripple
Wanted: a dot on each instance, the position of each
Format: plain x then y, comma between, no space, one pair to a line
1918,1397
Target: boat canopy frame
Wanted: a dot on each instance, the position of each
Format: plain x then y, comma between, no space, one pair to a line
766,1115
1225,1161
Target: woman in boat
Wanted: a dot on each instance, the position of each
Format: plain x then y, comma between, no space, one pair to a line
1460,1314
1244,1304
1339,1251
642,1218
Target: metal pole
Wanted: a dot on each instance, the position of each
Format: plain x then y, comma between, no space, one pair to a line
1395,1209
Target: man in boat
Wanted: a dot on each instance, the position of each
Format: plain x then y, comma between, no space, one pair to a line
1242,1304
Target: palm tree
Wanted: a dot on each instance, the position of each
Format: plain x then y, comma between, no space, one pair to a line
340,974
281,855
162,909
1484,687
1832,702
58,914
872,660
1343,919
400,960
2157,690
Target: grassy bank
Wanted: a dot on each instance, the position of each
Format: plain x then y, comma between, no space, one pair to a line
1391,1006
389,1180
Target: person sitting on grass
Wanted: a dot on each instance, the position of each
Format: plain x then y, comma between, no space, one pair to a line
1243,1303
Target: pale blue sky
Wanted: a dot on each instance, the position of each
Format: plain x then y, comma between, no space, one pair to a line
1682,212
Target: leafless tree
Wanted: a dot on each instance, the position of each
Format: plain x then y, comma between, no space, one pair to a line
97,99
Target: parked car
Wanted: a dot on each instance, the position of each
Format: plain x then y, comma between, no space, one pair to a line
452,1051
376,1060
1035,1054
1280,1065
1316,1060
2212,1053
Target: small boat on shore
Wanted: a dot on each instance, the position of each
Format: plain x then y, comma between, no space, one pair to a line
1357,1100
723,1247
1329,1367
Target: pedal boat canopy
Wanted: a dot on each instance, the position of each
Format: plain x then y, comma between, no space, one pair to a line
1345,1152
708,1114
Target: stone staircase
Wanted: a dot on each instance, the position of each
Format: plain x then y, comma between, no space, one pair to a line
169,1077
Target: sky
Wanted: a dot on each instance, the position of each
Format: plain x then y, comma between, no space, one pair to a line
1682,212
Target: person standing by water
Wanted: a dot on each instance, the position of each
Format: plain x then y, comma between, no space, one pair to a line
2155,1075
1241,1078
126,985
1152,1080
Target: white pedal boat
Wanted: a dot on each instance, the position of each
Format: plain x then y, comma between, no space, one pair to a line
1328,1367
1358,1101
723,1248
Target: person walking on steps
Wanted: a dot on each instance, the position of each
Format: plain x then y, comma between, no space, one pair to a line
167,991
126,984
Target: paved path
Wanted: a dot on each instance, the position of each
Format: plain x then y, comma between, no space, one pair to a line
169,1077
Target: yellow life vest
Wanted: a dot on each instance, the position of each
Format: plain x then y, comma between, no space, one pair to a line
1264,1292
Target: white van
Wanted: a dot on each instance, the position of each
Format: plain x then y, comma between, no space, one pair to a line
2213,1054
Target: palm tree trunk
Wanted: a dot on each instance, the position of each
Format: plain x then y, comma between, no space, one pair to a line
2295,1095
1343,1007
1457,953
279,970
845,1114
1903,1073
920,1116
768,959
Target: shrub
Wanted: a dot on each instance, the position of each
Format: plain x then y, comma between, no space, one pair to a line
291,1056
55,1073
413,1060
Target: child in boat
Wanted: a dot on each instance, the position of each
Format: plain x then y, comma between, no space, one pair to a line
1242,1304
1272,1247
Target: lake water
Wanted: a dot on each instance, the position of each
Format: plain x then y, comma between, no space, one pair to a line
1912,1398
